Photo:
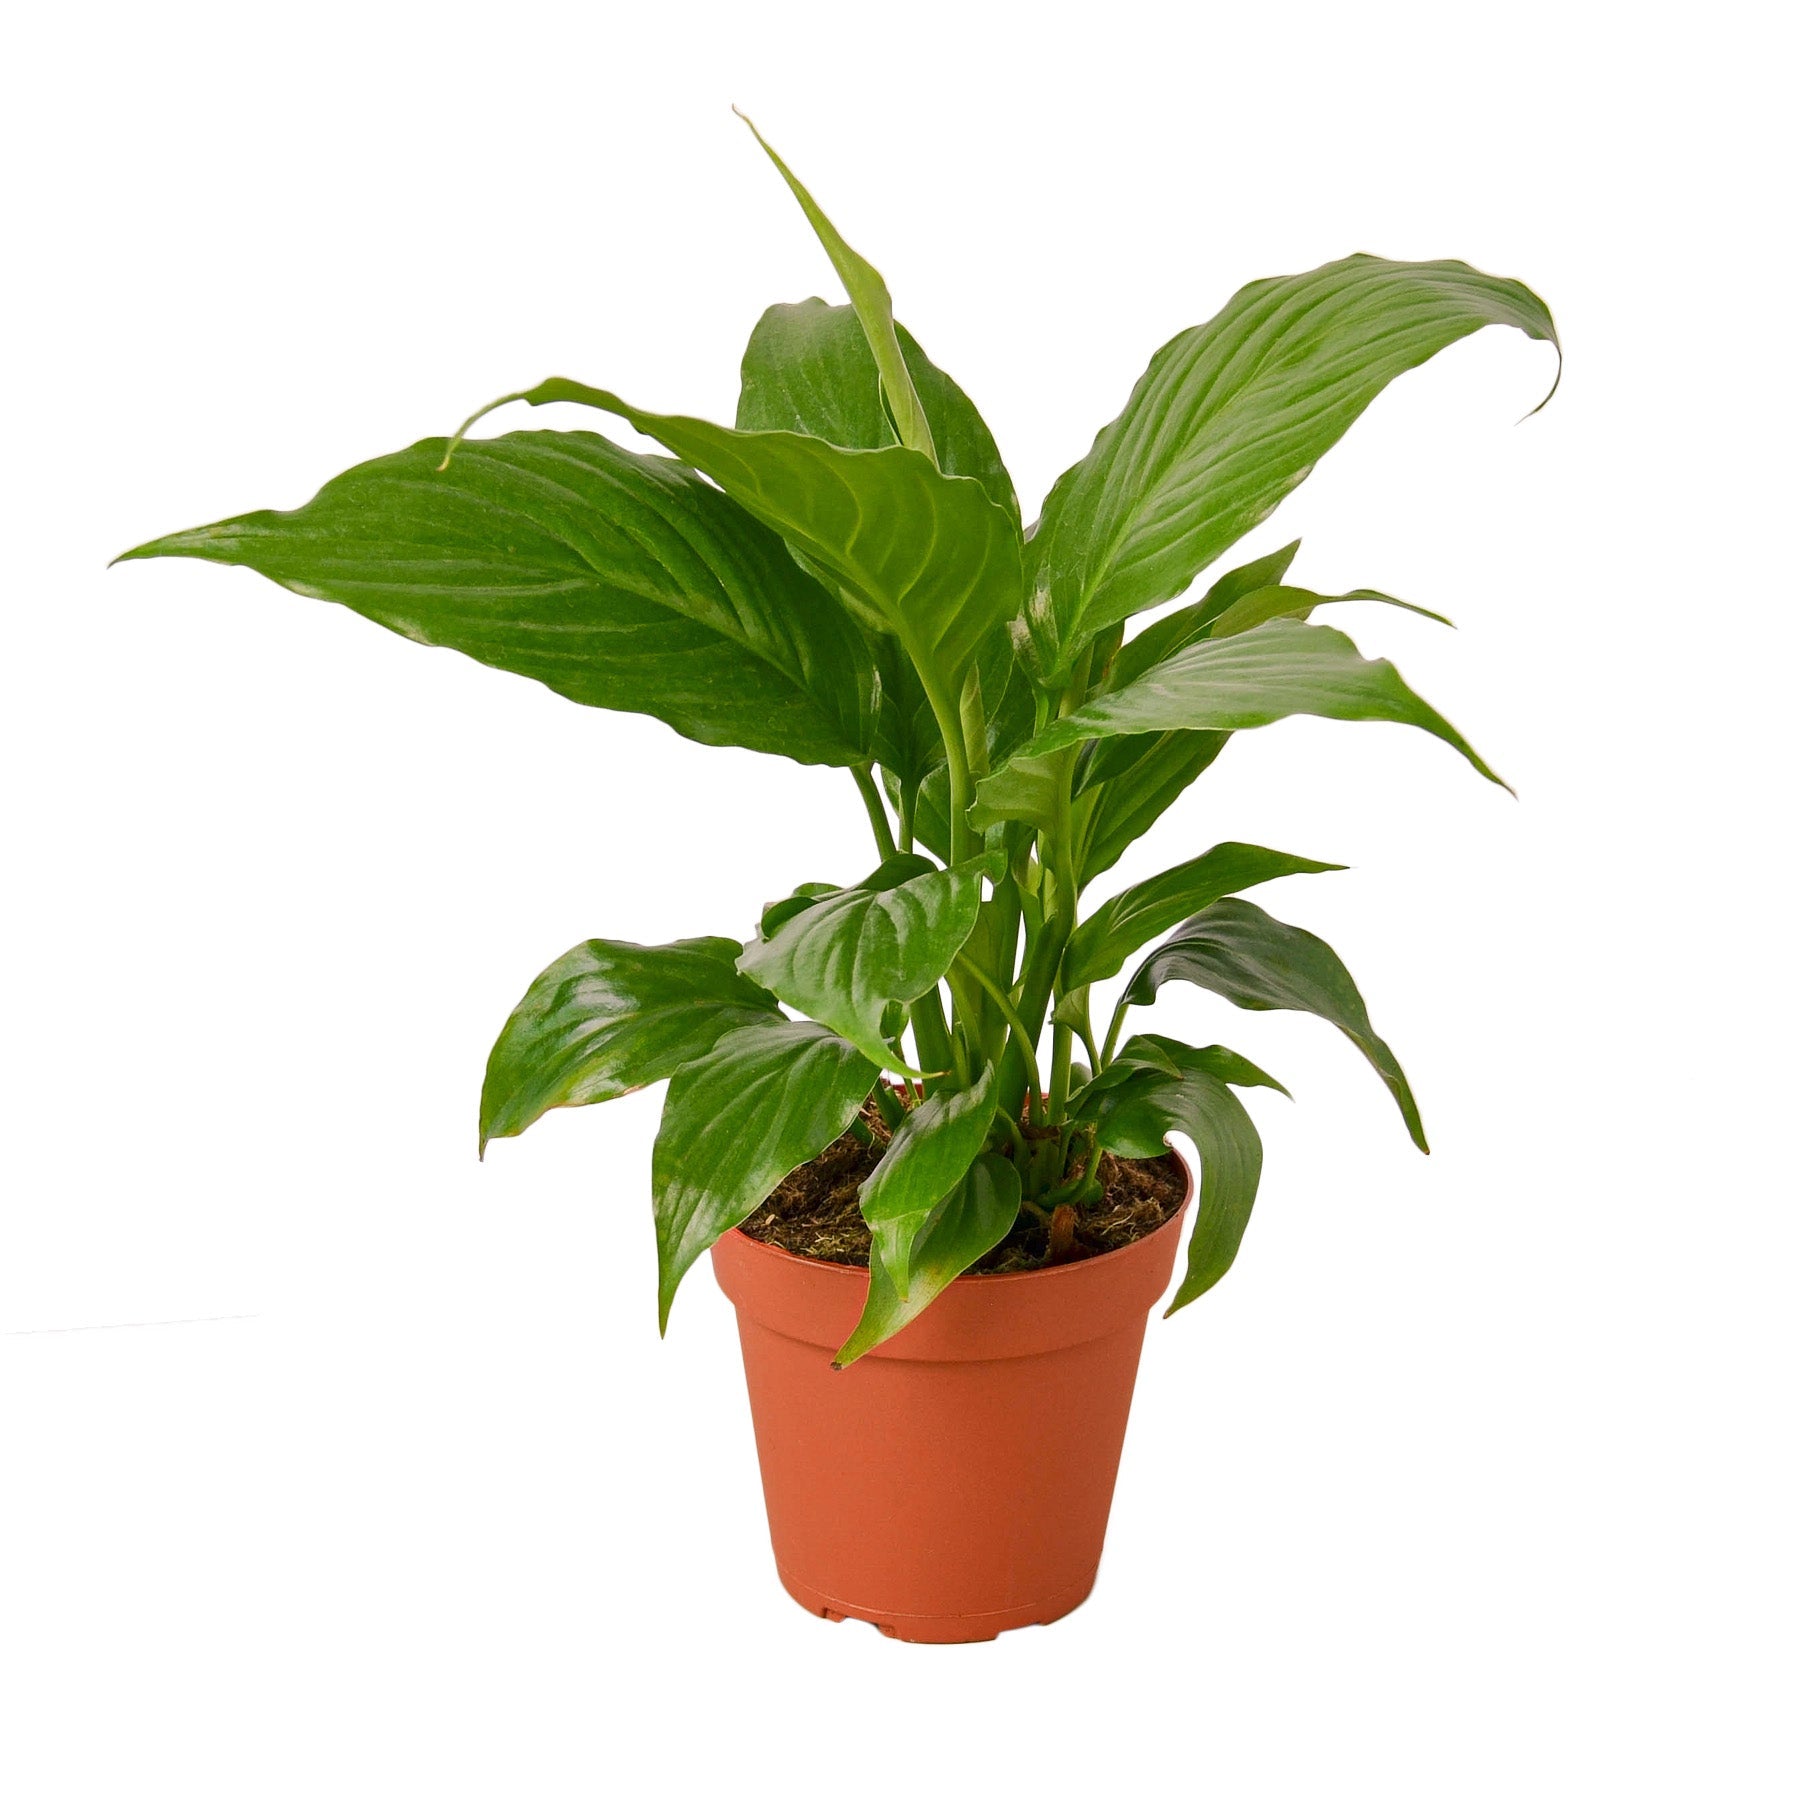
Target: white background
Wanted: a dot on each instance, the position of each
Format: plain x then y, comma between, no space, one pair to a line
333,1462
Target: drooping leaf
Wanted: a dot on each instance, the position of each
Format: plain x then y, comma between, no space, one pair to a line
874,309
608,1017
928,1156
808,368
1232,415
1109,934
1295,602
1174,631
1138,1123
962,1229
618,580
845,958
1271,673
766,1098
1236,949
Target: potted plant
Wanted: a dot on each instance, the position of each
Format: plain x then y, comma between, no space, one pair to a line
933,1176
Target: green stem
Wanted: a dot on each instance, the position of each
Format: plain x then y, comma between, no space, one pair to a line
878,819
933,1037
1021,1036
909,806
1062,1050
956,759
1112,1035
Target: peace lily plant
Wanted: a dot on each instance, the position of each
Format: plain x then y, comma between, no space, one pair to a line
843,578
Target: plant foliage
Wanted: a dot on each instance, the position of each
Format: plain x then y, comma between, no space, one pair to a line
841,577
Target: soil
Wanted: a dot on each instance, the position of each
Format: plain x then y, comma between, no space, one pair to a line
814,1211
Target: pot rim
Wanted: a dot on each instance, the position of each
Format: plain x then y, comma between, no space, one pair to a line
994,1278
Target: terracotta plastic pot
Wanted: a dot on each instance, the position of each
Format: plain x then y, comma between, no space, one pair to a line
955,1482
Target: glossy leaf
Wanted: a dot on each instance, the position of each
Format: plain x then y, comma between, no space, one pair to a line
1174,631
928,1156
1236,949
962,1229
609,1017
1231,416
1295,602
846,957
1163,766
874,310
1271,673
1149,1050
620,581
915,552
1128,921
1200,1104
808,368
766,1098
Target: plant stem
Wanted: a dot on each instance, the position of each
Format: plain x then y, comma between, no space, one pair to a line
1062,1041
1021,1036
1112,1035
878,819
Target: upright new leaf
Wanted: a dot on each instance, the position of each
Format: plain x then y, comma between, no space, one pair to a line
620,581
1236,949
1232,415
808,368
845,958
609,1017
962,1229
1232,684
765,1099
928,1155
874,309
1129,920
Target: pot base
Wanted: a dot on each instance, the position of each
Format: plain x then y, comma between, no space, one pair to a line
949,1628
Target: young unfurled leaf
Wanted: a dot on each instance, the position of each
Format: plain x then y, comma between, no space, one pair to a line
608,1017
962,1229
842,959
620,581
1230,417
1271,673
874,310
928,1156
1109,934
766,1098
1236,949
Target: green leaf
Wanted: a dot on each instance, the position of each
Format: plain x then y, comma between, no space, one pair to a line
1129,920
618,580
1282,602
778,912
1230,417
874,308
915,552
1174,631
962,1229
808,368
1127,802
609,1017
1024,788
889,938
1148,1050
928,1156
1236,949
766,1098
1271,673
1201,1105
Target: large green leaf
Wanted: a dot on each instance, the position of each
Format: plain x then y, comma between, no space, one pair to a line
1236,949
1126,802
847,957
808,368
1232,415
1273,672
929,1154
962,1229
620,581
1198,1102
874,310
1129,920
766,1098
924,555
608,1017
